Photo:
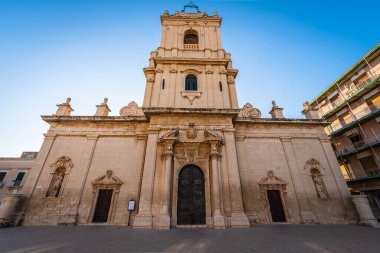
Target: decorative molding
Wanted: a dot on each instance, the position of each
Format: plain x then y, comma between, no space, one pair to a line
191,132
312,164
107,181
63,161
248,111
191,70
271,180
191,95
131,110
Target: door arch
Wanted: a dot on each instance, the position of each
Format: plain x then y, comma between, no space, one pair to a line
191,204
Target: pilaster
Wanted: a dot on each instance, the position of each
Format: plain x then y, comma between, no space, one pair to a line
144,217
306,215
238,217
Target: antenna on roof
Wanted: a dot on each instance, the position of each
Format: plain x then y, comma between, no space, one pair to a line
191,5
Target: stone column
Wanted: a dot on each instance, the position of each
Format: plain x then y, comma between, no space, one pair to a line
238,217
167,189
144,217
8,207
217,215
364,210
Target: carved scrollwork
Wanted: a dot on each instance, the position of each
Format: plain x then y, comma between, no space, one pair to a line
191,95
248,111
64,162
107,180
131,110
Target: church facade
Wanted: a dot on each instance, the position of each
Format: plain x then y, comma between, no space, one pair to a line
189,156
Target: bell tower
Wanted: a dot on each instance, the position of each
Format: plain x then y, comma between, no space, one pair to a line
190,69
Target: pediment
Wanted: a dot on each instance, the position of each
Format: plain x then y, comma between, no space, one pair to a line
107,180
271,179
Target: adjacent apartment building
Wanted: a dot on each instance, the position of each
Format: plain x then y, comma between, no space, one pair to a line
352,104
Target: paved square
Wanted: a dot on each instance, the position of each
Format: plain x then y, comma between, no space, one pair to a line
260,238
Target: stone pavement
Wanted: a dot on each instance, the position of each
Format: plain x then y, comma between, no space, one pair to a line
260,238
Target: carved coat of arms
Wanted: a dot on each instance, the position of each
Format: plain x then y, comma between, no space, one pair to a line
191,132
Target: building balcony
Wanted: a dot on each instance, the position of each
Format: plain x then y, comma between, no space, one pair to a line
340,102
190,46
359,146
367,113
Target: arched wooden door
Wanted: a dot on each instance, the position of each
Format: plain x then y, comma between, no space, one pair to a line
191,206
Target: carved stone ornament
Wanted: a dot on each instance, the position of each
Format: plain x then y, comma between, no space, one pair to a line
191,95
312,164
191,132
107,180
63,161
272,180
131,110
212,135
171,134
249,112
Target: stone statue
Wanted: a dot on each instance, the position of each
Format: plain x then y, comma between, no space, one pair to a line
56,186
318,183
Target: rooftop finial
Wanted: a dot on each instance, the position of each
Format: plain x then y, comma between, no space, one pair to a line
191,5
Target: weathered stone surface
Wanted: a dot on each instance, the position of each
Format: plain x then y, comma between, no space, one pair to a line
140,154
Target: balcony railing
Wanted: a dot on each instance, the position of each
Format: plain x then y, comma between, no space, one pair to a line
374,139
372,172
357,114
190,46
327,109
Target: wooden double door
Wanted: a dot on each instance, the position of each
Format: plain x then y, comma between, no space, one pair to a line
191,206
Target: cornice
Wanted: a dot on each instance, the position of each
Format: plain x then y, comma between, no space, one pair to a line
54,118
316,122
184,60
148,111
187,17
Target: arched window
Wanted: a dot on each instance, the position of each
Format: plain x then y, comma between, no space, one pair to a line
56,182
191,82
190,40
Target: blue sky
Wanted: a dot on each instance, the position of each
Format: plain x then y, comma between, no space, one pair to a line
287,50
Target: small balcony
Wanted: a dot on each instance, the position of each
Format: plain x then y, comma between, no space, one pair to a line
372,172
331,108
361,115
359,146
362,175
190,46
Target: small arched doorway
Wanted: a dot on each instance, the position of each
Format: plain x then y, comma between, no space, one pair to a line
191,207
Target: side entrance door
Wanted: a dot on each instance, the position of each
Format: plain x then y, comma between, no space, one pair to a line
276,207
103,205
